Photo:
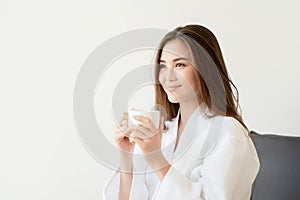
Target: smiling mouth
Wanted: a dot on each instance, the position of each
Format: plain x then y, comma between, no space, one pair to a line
172,88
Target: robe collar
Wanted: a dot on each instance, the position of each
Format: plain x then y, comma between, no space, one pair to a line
189,132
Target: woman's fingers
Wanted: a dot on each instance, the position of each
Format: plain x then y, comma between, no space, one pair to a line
147,128
137,140
145,131
147,122
124,117
123,124
138,133
161,125
143,119
126,131
119,136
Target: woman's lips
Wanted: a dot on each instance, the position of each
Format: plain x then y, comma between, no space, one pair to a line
173,87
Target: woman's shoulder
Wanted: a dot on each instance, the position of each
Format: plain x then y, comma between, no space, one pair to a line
231,127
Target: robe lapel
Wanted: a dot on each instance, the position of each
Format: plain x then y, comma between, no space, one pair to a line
169,139
189,132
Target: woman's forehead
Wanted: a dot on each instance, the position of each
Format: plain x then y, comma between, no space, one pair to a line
174,49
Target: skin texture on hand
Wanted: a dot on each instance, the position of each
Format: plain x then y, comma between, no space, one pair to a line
148,137
122,134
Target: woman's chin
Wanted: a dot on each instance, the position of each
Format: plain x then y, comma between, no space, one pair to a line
173,99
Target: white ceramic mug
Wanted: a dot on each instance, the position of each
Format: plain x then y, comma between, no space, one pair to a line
154,115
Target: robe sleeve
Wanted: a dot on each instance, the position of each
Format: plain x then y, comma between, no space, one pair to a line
139,189
227,173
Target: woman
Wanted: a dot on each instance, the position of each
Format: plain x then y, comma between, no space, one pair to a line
202,150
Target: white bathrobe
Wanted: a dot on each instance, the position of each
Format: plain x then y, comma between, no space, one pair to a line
215,159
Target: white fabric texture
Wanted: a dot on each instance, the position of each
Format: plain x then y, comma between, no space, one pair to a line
215,159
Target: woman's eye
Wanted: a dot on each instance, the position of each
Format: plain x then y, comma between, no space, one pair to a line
180,65
162,66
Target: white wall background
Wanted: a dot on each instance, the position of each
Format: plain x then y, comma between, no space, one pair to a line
44,43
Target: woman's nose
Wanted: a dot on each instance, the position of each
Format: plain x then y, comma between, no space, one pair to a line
170,74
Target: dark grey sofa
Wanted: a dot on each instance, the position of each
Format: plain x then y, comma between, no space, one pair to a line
279,175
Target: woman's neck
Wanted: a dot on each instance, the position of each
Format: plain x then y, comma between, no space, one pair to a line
186,110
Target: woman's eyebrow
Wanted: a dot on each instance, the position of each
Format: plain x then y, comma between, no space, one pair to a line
176,59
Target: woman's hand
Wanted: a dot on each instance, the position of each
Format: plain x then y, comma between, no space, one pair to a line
121,136
148,137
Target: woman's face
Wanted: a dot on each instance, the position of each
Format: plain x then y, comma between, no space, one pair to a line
177,73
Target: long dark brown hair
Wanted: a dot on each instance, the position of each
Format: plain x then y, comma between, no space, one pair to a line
215,86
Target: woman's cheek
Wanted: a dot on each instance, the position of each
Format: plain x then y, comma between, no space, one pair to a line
161,77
